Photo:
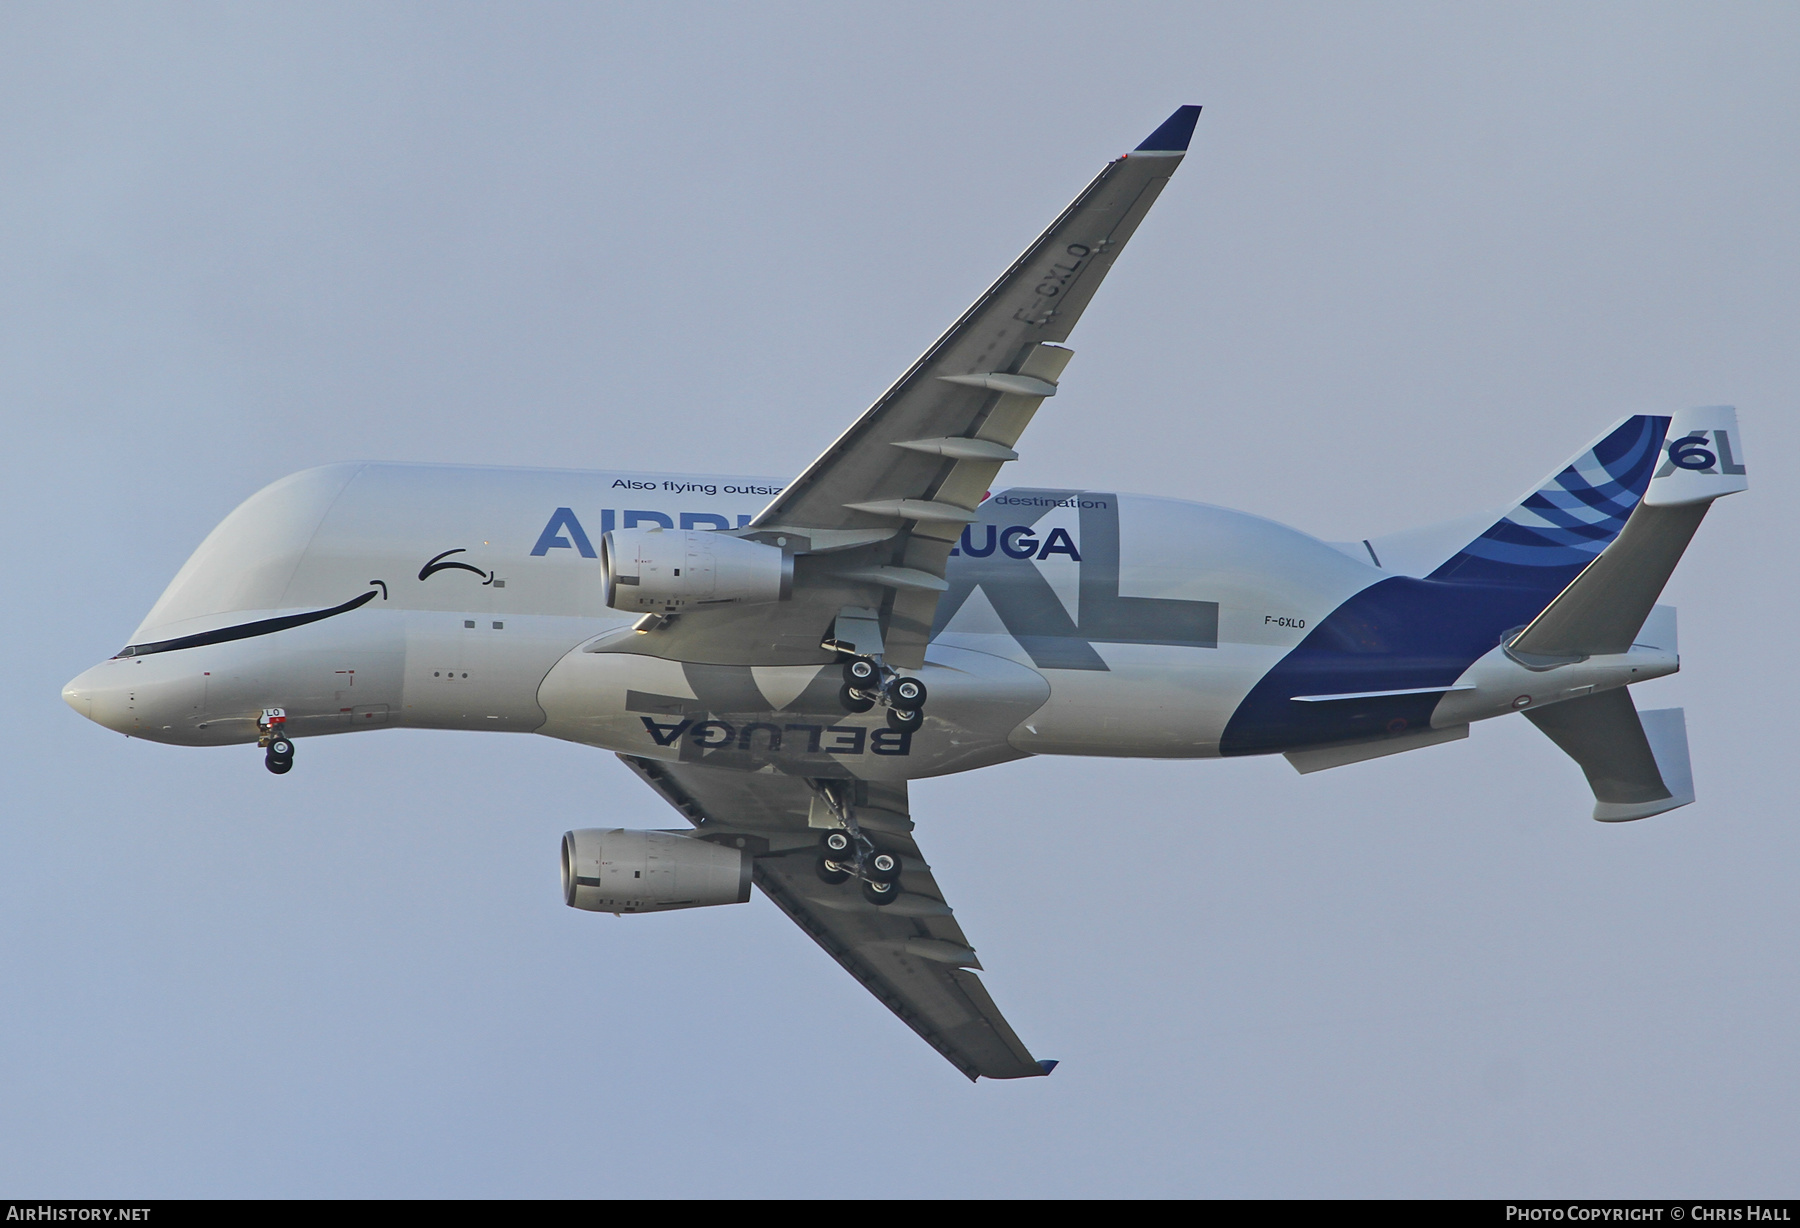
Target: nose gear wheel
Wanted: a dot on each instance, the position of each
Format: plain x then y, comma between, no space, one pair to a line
278,754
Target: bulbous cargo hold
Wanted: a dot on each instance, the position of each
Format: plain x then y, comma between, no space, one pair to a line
665,571
618,871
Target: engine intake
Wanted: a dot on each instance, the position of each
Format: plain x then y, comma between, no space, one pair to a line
666,571
618,871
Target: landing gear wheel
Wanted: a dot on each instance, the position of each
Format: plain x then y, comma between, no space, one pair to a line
839,845
905,719
280,756
908,693
830,872
852,700
861,672
882,868
880,894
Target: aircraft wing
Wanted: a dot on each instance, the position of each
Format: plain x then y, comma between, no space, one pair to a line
911,954
872,520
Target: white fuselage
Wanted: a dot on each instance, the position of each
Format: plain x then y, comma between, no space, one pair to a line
483,609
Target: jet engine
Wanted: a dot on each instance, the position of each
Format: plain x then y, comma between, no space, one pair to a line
618,871
665,571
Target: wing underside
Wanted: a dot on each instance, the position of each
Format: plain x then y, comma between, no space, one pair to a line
911,954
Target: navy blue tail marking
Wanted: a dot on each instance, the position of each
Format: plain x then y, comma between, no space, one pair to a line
1403,633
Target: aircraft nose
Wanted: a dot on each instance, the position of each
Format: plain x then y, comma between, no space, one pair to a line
161,698
98,695
79,693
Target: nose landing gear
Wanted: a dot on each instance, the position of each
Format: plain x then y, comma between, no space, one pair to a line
278,754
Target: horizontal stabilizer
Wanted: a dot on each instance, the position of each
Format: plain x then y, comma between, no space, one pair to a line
1603,608
1636,763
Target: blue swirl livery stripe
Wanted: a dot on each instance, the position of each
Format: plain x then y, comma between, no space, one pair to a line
1574,515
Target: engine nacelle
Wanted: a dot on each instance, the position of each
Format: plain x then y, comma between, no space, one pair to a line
666,571
615,870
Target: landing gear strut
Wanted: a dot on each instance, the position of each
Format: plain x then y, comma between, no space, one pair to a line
278,754
868,682
846,853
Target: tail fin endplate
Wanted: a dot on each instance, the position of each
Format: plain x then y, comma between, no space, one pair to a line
1636,762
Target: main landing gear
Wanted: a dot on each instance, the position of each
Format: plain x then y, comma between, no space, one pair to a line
843,856
278,754
846,853
867,682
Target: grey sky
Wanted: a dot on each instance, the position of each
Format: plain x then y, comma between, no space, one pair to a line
1418,256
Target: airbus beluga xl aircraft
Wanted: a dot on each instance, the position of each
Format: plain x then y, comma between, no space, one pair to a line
778,659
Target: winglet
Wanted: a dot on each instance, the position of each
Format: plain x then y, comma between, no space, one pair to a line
1048,1064
1175,133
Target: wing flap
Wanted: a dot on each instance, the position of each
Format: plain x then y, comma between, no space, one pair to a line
946,1005
912,955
